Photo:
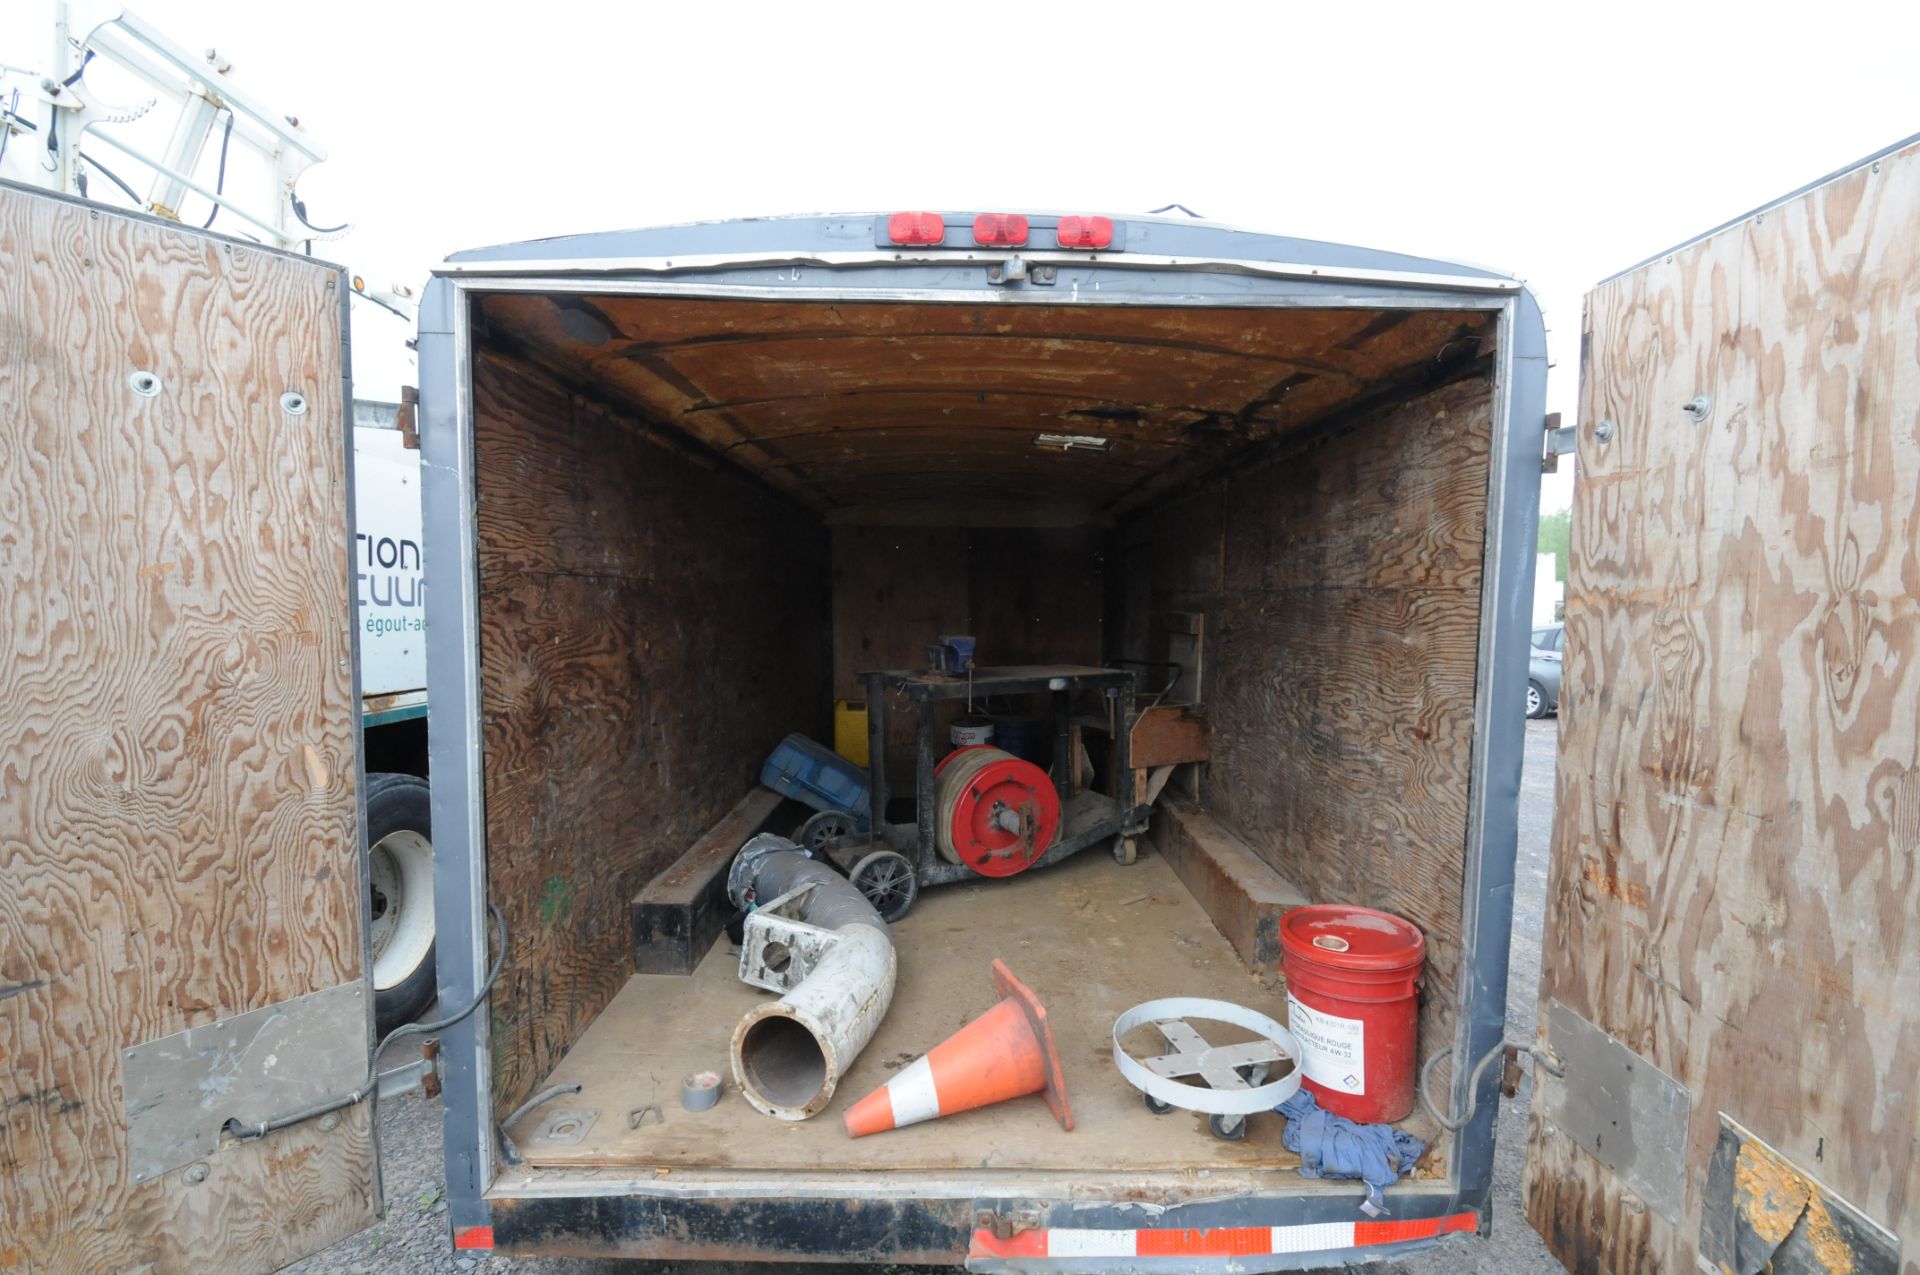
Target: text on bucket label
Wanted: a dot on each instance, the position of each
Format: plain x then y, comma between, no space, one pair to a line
1335,1048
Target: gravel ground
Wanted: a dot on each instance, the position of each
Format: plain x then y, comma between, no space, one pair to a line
413,1236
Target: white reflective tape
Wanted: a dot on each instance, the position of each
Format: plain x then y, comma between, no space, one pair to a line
912,1094
1312,1237
1090,1243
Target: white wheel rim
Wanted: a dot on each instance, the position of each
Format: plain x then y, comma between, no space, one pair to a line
1533,700
400,872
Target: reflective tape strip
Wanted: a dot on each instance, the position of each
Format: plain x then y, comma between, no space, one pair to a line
913,1095
1223,1241
473,1237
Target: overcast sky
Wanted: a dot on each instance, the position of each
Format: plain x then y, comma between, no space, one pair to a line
1561,143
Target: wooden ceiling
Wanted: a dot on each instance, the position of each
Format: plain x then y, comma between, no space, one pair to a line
905,412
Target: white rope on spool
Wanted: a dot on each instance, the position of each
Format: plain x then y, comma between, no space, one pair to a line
993,812
951,786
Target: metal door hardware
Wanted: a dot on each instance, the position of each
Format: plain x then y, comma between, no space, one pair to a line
181,1090
1619,1108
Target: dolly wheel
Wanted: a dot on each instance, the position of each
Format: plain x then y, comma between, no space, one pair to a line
1157,1107
885,877
1126,849
1228,1128
821,827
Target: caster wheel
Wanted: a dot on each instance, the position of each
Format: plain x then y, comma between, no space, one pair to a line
821,827
886,878
1228,1128
1157,1107
1126,849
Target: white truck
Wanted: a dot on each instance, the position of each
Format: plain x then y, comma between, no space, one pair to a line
390,609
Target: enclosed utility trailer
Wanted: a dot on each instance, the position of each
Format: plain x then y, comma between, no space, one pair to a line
686,486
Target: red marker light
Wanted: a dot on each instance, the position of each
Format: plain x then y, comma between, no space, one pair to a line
1085,232
915,228
1005,230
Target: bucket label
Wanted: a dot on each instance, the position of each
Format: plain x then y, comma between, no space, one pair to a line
1335,1048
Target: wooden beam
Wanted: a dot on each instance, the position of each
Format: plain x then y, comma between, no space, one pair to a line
1241,892
680,913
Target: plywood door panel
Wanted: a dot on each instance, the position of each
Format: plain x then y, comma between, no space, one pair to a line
178,778
1734,894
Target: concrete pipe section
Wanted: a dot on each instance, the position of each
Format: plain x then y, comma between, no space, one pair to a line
789,1055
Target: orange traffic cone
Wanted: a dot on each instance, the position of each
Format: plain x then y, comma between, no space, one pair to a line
1006,1052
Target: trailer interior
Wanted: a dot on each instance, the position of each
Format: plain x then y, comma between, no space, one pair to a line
698,521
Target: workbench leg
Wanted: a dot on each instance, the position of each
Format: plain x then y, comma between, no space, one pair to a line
925,809
876,757
1064,762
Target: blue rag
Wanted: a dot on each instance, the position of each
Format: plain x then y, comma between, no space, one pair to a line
1331,1146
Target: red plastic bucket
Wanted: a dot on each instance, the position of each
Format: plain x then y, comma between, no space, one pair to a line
1353,986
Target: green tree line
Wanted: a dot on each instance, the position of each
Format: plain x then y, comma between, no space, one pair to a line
1555,538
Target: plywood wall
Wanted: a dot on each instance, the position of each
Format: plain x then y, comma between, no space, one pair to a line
1341,595
1029,595
650,627
1734,893
177,723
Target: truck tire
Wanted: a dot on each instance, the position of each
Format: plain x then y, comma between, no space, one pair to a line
400,881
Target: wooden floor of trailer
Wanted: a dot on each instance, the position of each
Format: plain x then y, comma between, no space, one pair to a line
1090,937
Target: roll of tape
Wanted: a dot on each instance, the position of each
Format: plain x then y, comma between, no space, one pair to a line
700,1091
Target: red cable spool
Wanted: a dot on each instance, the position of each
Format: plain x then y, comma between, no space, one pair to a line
995,813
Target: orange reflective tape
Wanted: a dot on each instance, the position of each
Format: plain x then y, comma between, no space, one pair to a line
1426,1228
473,1237
1023,1244
1220,1241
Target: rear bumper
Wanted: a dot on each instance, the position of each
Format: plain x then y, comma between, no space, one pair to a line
1240,1233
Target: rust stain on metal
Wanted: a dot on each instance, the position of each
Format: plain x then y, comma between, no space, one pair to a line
1769,1194
1830,1248
1775,1198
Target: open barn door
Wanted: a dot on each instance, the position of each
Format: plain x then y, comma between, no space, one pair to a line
181,939
1731,993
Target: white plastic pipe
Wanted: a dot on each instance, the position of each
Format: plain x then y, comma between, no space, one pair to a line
789,1055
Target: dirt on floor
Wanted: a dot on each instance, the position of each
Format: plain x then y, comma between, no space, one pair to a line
413,1236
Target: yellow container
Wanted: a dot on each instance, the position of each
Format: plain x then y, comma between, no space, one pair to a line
850,730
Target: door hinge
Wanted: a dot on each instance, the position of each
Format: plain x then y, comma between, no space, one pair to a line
1560,443
421,1075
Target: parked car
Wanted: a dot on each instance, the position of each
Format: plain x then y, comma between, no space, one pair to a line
1543,670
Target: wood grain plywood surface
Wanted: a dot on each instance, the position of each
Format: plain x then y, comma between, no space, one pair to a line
1341,590
1734,894
1090,937
649,630
847,405
177,723
1027,594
